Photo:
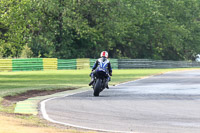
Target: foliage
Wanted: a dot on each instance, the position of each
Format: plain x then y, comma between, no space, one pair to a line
26,52
156,29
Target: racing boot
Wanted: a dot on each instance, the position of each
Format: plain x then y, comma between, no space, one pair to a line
107,84
91,82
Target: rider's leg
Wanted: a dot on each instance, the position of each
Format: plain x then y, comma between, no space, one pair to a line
108,79
92,78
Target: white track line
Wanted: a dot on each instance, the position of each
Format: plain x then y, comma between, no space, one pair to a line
46,116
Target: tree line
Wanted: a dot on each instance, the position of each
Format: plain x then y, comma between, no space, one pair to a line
153,29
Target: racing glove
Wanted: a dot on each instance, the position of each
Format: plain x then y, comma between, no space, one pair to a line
110,73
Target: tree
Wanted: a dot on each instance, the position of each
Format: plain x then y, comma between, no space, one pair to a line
155,29
13,26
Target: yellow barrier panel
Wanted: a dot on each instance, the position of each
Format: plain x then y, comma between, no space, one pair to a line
50,63
5,64
83,63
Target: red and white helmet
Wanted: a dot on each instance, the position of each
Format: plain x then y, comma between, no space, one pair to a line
104,54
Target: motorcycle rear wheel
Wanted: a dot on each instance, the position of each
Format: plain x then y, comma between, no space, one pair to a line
97,87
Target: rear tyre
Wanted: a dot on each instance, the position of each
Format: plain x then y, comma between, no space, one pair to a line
97,87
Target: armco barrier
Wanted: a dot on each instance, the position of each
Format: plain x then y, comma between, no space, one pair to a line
92,61
66,64
5,64
147,63
33,64
27,64
114,63
50,63
135,63
83,63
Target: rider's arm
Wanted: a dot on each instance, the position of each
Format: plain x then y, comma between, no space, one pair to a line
95,65
110,69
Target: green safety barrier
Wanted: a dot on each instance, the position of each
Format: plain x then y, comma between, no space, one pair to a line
92,61
5,64
31,64
66,64
114,63
50,63
83,63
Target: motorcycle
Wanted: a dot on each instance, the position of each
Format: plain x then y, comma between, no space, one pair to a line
100,82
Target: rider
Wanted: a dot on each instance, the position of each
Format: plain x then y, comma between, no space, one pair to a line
102,64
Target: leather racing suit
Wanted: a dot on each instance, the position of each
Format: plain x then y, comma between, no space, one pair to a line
102,64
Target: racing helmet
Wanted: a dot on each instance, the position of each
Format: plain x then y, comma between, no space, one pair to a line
104,54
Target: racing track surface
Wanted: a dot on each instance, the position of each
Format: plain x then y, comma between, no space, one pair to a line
166,103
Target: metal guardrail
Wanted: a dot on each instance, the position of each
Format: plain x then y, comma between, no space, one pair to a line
33,64
50,64
5,64
147,63
66,64
83,63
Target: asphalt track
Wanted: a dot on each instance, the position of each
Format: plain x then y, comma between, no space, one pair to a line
166,103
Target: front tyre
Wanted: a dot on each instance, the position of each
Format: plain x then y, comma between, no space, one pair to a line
97,87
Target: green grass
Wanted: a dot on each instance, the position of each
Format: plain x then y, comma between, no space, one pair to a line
18,82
